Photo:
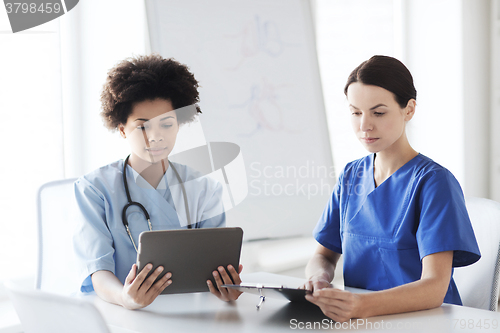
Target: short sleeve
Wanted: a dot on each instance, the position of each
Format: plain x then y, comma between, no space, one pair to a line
444,223
327,230
92,240
213,215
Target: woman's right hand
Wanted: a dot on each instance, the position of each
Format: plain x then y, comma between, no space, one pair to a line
316,282
139,292
321,269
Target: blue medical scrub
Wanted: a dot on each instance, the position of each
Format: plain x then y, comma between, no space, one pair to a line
101,241
384,232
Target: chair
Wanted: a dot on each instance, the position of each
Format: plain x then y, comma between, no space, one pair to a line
478,283
41,312
56,268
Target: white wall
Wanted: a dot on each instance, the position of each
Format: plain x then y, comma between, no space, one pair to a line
434,56
495,102
30,138
348,32
95,40
448,52
476,52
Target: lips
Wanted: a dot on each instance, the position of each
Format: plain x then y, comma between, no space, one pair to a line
369,140
156,151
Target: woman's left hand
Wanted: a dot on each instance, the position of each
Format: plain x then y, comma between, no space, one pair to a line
222,277
340,305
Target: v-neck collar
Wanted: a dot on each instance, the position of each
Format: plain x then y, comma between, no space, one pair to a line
143,183
401,169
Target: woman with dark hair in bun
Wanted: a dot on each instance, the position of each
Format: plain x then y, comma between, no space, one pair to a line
145,99
397,217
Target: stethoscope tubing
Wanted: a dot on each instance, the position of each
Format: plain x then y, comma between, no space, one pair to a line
143,209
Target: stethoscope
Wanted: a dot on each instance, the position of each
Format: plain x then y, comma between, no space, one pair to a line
144,211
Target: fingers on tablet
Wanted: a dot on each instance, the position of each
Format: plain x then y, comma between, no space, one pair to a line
163,283
218,282
131,275
212,288
152,278
221,277
235,275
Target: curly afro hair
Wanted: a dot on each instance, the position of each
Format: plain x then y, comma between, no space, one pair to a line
144,78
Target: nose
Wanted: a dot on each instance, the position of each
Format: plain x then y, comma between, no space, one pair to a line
365,123
153,135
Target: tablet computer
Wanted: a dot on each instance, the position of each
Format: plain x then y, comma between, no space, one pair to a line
191,255
281,292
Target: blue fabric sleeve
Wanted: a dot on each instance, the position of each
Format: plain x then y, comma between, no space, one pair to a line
213,215
444,223
92,240
327,230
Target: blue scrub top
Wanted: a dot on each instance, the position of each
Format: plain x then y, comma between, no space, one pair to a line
385,231
101,241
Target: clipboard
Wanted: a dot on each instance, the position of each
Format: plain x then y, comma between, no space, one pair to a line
279,292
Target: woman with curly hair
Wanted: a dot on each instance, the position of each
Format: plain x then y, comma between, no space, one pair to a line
146,99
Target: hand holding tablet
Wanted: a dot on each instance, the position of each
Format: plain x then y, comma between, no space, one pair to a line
221,278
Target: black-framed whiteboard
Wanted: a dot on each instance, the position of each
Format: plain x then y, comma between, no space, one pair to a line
261,89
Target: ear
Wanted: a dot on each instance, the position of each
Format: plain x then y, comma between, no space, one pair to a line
121,129
409,111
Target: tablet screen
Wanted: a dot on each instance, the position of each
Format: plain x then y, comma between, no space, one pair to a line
191,255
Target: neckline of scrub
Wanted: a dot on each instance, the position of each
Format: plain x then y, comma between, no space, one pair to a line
162,185
372,174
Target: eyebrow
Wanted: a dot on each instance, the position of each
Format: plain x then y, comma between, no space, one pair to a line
144,119
372,108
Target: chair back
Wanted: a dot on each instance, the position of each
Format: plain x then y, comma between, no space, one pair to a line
56,267
41,312
478,283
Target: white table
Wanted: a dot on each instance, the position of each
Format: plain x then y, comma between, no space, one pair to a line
202,312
